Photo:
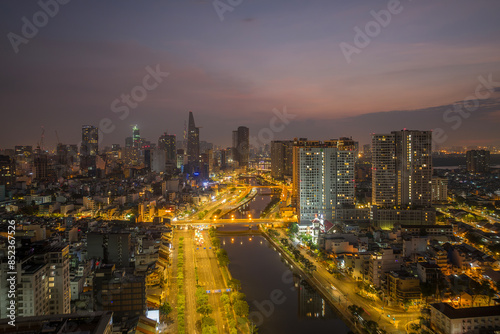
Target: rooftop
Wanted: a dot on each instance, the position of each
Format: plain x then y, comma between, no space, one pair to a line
471,312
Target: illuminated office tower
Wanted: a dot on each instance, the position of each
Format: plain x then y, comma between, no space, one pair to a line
193,144
136,137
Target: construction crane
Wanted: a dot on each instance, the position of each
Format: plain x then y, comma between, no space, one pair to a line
57,137
40,143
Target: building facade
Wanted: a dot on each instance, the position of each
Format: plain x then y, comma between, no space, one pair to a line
445,319
402,169
323,177
281,159
478,161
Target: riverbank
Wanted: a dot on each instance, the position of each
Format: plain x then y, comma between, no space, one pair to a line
341,311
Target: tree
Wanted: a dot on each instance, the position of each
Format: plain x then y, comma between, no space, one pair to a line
222,257
165,308
201,296
371,326
204,309
208,325
216,242
356,311
235,284
294,228
237,296
241,308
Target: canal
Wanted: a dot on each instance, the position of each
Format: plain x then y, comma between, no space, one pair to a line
280,301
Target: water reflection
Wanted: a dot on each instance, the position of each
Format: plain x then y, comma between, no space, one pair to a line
280,301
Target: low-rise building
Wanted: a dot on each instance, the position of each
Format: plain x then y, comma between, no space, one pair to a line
403,287
382,262
445,319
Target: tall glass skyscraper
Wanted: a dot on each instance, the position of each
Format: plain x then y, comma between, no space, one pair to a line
193,145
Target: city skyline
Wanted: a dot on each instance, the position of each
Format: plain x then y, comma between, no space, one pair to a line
260,57
237,166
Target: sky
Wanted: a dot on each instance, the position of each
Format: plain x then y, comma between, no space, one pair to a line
319,69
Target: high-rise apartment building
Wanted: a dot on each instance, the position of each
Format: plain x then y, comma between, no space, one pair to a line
323,177
241,148
43,281
383,170
57,258
478,161
281,158
402,169
439,190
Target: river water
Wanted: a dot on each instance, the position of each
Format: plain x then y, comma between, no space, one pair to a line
280,302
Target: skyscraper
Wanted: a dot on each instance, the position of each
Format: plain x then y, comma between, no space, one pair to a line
136,137
90,139
41,166
89,150
383,170
129,142
281,158
478,161
193,145
167,143
241,139
62,154
43,281
323,177
402,169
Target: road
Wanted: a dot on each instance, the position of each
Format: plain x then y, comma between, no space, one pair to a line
210,278
190,281
345,292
